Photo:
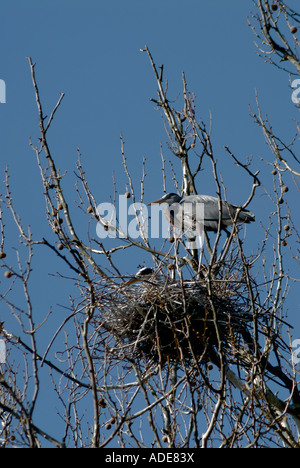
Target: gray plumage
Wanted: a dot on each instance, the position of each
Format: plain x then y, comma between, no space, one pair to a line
211,210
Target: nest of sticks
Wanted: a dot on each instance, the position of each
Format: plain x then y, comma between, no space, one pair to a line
176,320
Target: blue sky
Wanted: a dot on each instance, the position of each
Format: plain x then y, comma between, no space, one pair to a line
91,51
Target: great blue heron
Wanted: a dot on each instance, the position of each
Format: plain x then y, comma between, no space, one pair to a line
182,211
143,274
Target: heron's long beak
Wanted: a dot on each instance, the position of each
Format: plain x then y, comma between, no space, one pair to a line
156,202
131,281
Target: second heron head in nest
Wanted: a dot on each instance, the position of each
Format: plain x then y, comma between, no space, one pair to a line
144,274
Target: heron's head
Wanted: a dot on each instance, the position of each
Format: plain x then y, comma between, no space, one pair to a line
169,198
144,273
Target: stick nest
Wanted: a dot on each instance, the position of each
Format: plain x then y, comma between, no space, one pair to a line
173,320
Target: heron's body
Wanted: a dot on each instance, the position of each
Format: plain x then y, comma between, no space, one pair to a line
187,207
211,212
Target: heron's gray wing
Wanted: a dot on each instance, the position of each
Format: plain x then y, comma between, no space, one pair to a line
211,211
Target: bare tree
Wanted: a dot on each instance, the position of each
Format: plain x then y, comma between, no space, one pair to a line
181,359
